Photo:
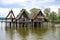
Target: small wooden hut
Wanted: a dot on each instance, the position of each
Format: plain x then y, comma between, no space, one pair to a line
10,18
37,18
23,19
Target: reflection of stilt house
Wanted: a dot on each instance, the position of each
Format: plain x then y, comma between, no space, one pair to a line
25,20
10,18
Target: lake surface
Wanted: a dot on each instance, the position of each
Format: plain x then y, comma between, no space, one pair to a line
29,33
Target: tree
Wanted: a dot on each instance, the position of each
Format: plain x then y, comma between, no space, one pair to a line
25,11
58,13
22,11
58,17
34,10
53,16
47,11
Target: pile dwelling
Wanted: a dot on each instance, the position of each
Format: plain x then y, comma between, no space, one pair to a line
25,20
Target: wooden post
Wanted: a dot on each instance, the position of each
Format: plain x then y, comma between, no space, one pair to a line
10,24
32,22
19,24
13,24
23,24
16,23
39,24
33,25
6,23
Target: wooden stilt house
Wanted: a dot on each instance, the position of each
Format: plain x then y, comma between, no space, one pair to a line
23,19
37,18
10,18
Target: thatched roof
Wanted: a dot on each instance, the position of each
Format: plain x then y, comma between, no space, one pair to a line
19,15
10,12
33,15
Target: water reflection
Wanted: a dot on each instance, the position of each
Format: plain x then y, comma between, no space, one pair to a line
25,33
9,34
30,33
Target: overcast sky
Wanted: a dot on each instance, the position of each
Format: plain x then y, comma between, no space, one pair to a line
17,5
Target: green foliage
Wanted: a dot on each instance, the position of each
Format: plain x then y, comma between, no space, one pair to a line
25,11
53,16
22,11
58,14
58,10
47,11
34,10
59,17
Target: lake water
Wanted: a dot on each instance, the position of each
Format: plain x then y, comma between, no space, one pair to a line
29,33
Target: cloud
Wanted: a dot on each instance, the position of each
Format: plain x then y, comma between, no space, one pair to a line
27,4
7,2
4,11
36,3
53,7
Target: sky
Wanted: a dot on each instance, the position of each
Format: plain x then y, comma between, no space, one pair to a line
17,5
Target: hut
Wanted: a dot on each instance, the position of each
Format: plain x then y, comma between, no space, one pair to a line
10,18
23,19
37,18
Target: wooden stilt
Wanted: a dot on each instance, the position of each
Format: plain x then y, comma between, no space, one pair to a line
16,22
21,25
33,25
10,24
